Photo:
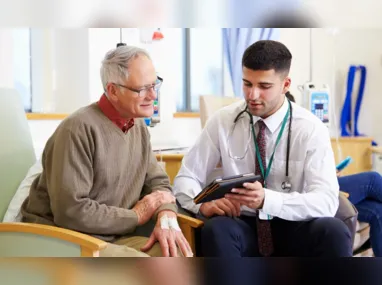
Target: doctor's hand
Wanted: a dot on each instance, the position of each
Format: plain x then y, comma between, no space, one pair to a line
252,195
169,235
220,207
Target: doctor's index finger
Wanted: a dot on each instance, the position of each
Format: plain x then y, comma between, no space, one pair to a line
248,187
253,186
238,193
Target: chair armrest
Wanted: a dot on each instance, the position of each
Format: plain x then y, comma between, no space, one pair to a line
188,225
375,149
90,246
347,213
192,222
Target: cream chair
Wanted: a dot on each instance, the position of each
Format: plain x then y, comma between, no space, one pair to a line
209,104
16,157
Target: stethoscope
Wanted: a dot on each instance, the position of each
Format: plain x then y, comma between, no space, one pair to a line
286,185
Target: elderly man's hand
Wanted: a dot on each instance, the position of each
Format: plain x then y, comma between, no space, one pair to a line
169,236
146,207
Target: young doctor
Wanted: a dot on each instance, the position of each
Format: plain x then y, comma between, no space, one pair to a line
290,212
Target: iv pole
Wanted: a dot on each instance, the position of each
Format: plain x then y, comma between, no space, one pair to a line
120,39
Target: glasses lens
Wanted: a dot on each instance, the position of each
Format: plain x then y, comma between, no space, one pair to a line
155,87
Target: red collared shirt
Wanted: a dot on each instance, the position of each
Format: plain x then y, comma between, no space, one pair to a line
108,109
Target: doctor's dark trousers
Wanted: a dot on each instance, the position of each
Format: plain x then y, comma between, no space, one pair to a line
223,236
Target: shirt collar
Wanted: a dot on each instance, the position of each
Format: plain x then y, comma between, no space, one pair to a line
274,121
108,109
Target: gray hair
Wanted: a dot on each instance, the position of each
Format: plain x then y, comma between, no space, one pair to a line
115,65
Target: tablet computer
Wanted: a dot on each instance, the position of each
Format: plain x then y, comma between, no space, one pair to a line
221,186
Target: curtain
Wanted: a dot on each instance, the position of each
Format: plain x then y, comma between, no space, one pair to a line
235,41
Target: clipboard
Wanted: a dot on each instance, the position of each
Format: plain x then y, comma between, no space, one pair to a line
221,186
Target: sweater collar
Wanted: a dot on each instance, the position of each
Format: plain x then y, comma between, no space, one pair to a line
108,109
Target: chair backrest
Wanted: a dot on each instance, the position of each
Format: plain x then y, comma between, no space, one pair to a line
16,147
209,104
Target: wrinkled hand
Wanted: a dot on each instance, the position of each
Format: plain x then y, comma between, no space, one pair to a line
168,239
146,207
220,207
252,195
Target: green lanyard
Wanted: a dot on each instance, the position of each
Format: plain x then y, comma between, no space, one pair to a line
265,175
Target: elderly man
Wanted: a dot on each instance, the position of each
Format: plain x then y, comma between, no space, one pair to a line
100,176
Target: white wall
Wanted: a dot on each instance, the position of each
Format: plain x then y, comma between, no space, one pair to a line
333,52
71,69
42,71
6,64
361,47
298,42
60,70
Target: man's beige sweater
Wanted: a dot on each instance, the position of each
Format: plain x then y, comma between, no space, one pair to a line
93,175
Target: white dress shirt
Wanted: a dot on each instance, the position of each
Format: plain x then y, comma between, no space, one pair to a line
312,172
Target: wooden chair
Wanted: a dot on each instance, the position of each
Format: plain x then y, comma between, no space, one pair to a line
17,156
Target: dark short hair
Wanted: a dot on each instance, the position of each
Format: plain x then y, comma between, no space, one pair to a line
267,55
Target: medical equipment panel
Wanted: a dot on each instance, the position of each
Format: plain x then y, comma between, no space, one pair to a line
317,100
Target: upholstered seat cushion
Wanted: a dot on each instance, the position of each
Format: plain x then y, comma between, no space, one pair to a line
13,212
361,237
361,226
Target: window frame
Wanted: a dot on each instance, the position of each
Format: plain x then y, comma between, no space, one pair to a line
187,96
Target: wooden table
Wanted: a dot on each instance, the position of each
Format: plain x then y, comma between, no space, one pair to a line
360,150
172,163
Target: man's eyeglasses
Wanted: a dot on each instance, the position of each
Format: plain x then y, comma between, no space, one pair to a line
145,90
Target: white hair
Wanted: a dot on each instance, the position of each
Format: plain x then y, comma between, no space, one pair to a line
115,65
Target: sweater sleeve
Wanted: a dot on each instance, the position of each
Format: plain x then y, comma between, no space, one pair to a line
157,179
69,171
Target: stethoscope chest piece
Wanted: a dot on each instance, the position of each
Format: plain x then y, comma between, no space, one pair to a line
286,185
